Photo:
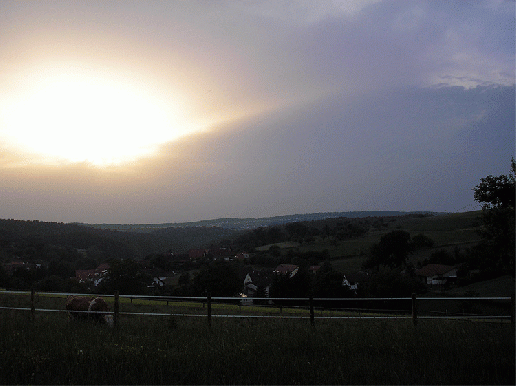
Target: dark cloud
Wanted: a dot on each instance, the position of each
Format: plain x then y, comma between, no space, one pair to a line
414,149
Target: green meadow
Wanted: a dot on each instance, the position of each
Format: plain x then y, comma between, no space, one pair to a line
447,231
184,350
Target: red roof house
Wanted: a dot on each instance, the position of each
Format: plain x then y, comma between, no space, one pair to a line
286,269
195,254
84,275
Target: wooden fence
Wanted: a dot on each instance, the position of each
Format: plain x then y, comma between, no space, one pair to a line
305,303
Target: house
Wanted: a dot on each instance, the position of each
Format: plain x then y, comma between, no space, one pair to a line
255,279
242,256
15,265
195,254
437,274
286,269
219,253
351,285
313,269
92,275
250,289
159,280
352,280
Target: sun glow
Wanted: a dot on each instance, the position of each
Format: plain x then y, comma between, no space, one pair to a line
74,116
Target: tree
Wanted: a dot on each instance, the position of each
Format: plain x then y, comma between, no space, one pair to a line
297,230
124,276
497,196
217,278
275,250
184,279
389,282
442,256
261,292
391,251
4,277
291,285
61,267
50,283
497,192
274,234
328,283
420,241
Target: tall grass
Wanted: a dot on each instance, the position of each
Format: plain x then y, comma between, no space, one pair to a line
183,350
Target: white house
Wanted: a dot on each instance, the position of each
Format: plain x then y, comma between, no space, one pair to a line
346,283
437,274
252,282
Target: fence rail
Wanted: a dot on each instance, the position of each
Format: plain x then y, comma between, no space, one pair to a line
363,313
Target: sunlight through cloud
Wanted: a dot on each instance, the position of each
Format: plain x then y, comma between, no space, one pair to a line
81,116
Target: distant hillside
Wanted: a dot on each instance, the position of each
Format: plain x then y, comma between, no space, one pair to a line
347,242
43,241
252,223
36,240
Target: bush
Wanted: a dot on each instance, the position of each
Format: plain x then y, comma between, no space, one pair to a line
391,283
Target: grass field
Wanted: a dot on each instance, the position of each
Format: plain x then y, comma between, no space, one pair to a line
183,350
502,286
446,230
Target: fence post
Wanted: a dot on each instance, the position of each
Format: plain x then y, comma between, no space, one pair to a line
414,309
512,308
312,317
209,309
116,309
32,308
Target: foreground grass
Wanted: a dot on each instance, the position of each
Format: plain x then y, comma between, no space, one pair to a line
183,350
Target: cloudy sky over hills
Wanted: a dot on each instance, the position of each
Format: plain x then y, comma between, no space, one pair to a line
150,112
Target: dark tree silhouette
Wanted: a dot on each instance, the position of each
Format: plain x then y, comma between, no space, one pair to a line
391,251
497,196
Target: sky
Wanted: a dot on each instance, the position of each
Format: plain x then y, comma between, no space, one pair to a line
172,111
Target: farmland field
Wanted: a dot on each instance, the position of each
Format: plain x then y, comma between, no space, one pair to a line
183,350
447,231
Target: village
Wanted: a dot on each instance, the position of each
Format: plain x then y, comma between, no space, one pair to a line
253,282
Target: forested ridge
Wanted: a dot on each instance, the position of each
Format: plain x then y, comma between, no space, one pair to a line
32,240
